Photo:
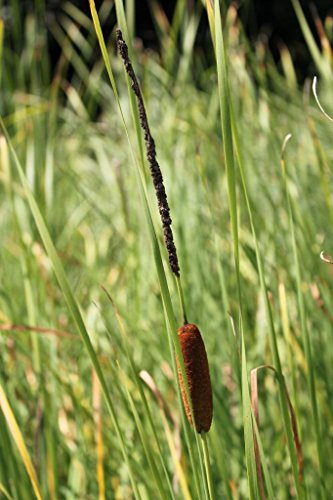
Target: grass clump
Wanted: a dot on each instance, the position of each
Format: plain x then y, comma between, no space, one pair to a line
78,210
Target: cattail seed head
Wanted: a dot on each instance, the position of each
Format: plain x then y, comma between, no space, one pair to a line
155,170
197,373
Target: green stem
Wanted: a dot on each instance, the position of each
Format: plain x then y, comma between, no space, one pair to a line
181,299
208,469
305,333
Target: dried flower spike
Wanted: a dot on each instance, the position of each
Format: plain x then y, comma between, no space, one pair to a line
197,373
155,169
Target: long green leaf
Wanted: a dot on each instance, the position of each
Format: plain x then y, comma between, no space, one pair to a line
19,441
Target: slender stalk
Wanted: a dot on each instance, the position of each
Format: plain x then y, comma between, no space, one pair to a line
304,329
271,330
226,117
208,469
181,299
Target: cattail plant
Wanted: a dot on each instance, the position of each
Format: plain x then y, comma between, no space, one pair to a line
191,343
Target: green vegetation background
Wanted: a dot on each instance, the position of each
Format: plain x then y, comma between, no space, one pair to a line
249,221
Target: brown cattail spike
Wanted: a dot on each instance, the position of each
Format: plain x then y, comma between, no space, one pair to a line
155,169
197,373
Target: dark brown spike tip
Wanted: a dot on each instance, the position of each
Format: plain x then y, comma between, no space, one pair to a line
197,372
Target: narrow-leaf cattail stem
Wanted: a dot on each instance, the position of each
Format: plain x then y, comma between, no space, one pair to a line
198,378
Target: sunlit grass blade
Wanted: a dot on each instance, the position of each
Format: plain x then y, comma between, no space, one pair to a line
304,329
100,447
318,58
314,90
248,430
19,441
228,148
5,492
226,126
272,332
1,46
295,353
189,36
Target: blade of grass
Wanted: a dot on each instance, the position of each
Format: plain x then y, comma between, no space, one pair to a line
317,57
224,95
226,126
207,465
98,421
272,333
248,430
9,464
314,90
5,492
2,29
304,328
19,441
292,345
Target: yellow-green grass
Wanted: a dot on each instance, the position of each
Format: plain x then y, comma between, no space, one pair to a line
78,214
